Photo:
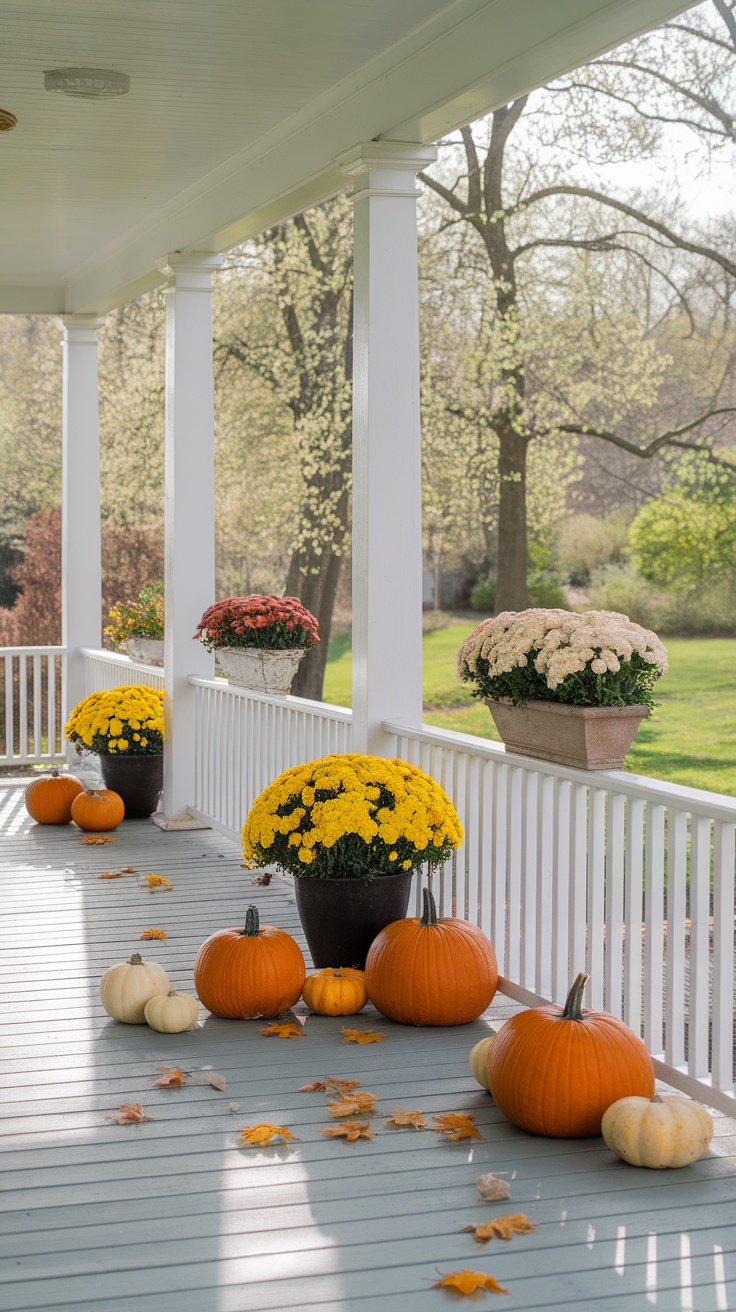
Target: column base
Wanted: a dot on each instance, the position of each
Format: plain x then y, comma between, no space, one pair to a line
182,820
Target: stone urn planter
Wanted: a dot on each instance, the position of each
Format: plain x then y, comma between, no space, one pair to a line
584,737
341,917
259,669
149,651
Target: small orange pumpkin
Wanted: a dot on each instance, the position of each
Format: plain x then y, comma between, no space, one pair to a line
254,971
336,991
49,799
555,1070
96,809
430,971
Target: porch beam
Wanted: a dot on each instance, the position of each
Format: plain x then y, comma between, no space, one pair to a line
387,482
189,514
81,554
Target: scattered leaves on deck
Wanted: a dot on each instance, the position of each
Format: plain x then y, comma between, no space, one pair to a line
155,933
503,1227
491,1188
469,1282
116,874
97,840
157,881
130,1113
282,1031
361,1036
456,1125
263,881
329,1084
257,1136
350,1130
400,1116
173,1078
352,1103
206,1075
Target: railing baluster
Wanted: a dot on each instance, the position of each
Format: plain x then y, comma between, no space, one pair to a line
724,856
499,865
596,895
699,990
561,890
514,880
615,844
634,911
545,878
23,706
578,879
529,858
675,943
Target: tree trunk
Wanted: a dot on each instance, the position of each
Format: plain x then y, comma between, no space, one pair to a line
511,587
317,592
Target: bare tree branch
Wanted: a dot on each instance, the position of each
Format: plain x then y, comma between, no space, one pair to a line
672,438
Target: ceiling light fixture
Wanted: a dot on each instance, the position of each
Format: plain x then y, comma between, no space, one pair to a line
87,83
7,120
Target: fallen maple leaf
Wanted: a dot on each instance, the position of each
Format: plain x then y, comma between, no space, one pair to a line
158,881
401,1117
97,841
155,933
352,1103
350,1130
469,1282
127,870
262,880
110,874
503,1227
329,1084
361,1036
172,1078
282,1031
257,1136
456,1125
130,1114
491,1188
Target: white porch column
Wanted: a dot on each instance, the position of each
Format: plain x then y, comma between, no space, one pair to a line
387,491
189,517
81,562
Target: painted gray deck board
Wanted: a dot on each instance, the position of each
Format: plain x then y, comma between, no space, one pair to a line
172,1214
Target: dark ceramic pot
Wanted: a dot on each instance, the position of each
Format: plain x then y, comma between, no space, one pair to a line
139,780
341,917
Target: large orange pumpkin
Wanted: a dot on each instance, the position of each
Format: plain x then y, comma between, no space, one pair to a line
254,971
96,809
49,799
336,991
430,971
555,1070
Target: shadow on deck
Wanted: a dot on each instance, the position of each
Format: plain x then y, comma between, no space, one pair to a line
172,1214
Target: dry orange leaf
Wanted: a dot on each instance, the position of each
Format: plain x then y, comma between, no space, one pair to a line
172,1078
350,1130
157,881
97,840
257,1136
503,1227
262,880
361,1036
282,1031
110,874
329,1084
456,1125
155,933
130,1114
469,1282
401,1117
352,1103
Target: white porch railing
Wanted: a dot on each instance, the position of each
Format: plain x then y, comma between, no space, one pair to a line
245,739
110,669
31,701
629,878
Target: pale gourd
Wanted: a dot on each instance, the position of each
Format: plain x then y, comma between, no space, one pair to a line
173,1013
478,1060
126,988
666,1130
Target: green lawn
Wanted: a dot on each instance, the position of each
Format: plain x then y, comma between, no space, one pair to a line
690,738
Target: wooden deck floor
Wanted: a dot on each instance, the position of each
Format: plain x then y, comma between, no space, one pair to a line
171,1215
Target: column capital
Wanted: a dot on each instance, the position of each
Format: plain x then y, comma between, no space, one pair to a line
81,329
189,270
385,168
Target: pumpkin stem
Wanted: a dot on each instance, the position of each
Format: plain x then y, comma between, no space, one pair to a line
429,908
656,1098
574,1004
136,959
252,927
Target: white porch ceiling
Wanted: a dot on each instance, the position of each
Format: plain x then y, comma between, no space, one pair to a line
236,111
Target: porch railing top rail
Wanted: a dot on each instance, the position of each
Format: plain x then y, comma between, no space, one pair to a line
295,703
698,801
32,651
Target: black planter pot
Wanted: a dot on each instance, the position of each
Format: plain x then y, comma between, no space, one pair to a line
139,780
341,917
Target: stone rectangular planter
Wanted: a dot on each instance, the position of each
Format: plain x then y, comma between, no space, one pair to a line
259,669
585,737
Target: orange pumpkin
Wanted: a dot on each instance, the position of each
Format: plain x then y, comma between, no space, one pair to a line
49,799
96,809
555,1070
336,991
254,971
430,971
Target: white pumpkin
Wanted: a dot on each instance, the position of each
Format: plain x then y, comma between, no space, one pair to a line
666,1130
173,1013
126,988
478,1060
